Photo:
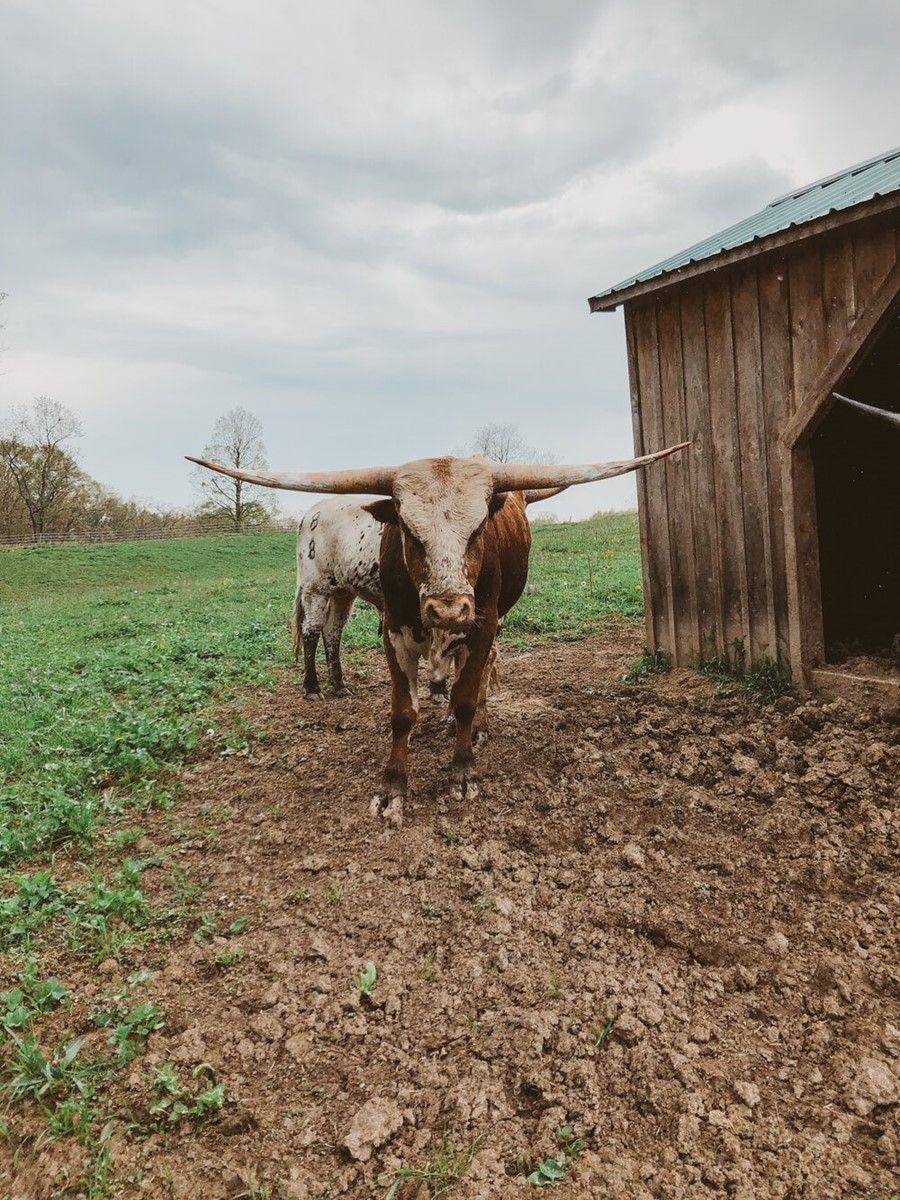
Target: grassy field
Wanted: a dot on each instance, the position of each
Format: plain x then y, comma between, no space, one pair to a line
113,655
118,663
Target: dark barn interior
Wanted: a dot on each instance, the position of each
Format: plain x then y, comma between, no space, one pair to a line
857,471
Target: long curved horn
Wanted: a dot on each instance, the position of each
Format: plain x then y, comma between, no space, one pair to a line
536,495
375,481
892,418
518,477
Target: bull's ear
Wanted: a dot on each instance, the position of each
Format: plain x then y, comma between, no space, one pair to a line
384,511
496,502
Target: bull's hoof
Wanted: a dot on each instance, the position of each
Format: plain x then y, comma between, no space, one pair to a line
317,695
464,786
342,692
389,807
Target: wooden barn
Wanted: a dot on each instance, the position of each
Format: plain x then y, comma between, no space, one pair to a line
778,533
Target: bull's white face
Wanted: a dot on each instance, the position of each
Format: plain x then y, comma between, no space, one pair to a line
442,506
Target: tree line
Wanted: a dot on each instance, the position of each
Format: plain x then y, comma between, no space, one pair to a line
44,492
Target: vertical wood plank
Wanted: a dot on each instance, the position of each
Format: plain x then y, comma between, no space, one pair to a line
686,643
640,448
754,468
702,479
660,573
874,254
808,350
727,464
838,291
777,389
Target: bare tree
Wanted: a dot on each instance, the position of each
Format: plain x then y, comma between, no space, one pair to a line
504,443
237,441
36,461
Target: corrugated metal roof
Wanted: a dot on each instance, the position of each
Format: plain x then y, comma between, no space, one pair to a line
876,177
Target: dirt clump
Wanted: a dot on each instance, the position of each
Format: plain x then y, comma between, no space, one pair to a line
669,924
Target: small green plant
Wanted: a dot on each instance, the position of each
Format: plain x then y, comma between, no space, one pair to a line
298,896
450,836
237,927
433,911
551,1170
32,997
763,678
365,980
647,664
130,1028
441,1173
484,902
335,892
230,957
601,1033
172,1101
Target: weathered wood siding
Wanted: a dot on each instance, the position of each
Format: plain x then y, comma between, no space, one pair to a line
726,360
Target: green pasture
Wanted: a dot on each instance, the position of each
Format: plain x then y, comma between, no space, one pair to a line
113,656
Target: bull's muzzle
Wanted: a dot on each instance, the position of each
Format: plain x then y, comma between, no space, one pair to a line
454,613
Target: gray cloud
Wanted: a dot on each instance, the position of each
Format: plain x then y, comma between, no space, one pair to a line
377,227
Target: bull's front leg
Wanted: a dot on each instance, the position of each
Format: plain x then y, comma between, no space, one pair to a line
403,653
466,698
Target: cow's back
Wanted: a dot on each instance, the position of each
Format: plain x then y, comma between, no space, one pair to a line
338,545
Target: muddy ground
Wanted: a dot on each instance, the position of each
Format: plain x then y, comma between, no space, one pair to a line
670,922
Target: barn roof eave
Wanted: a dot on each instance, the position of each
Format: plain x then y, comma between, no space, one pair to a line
656,279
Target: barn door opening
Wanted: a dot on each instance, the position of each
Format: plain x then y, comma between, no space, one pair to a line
856,459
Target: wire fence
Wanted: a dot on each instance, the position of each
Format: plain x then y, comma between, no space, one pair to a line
183,529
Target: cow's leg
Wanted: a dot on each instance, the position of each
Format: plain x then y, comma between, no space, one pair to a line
403,653
338,612
490,681
472,667
315,611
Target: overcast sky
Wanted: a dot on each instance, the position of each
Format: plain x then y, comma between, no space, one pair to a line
376,225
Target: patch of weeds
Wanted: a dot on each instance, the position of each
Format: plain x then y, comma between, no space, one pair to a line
173,1100
123,839
550,1171
335,892
484,902
206,930
237,927
451,836
30,1075
765,679
365,980
129,1028
426,968
71,1118
433,911
600,1033
30,998
443,1171
231,957
647,664
183,888
298,896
